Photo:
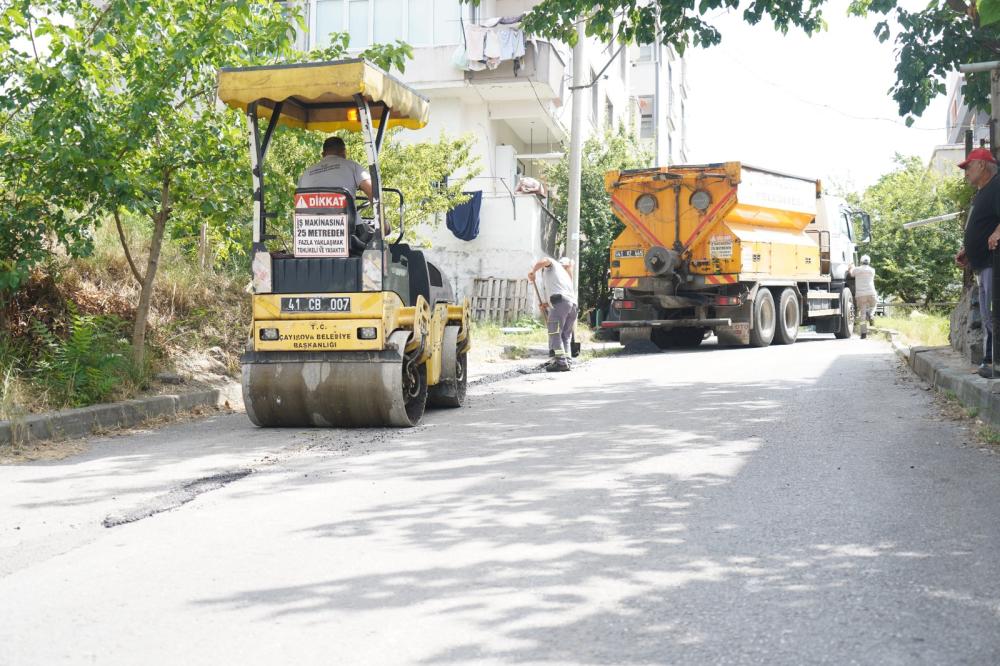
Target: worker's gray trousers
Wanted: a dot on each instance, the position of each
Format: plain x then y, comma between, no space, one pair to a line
985,279
562,316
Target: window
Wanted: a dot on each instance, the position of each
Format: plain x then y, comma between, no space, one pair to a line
421,22
609,113
389,24
447,22
645,53
646,126
417,22
357,23
845,224
329,18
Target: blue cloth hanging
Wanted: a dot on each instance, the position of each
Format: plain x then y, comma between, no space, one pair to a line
463,219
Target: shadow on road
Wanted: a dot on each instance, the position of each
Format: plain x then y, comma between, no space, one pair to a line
672,522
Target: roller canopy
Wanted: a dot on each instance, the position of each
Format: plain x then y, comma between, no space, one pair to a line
320,96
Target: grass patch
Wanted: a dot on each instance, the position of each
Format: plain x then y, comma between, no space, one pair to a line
490,342
918,328
65,338
951,408
987,434
490,334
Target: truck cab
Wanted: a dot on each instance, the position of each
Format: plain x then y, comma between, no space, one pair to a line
835,228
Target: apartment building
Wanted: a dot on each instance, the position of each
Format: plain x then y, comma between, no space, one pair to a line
669,145
961,117
515,103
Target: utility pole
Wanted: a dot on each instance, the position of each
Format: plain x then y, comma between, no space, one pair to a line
658,96
575,166
993,68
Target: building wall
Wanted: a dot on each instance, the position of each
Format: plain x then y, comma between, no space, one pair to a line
508,244
960,117
672,112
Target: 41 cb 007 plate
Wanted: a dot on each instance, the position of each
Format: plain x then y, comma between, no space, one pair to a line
316,304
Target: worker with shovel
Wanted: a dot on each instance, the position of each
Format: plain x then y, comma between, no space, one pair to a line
557,299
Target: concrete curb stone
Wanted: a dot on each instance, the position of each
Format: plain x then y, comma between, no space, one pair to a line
944,370
84,421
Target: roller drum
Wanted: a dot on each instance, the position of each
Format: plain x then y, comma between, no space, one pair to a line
339,389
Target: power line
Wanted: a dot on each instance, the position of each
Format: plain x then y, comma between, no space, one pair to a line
830,107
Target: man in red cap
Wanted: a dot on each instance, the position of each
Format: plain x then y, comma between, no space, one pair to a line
982,233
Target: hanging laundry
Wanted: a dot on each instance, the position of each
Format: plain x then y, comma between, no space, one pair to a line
511,43
463,219
492,42
475,42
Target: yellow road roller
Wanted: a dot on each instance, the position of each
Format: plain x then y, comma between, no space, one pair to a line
350,327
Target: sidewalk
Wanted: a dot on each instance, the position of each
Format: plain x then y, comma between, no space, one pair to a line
945,370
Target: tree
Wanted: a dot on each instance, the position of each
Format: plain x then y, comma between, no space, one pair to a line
614,150
681,24
117,114
915,265
932,41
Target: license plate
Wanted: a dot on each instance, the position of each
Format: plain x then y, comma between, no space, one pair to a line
316,304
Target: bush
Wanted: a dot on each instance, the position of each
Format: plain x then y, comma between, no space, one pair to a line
88,364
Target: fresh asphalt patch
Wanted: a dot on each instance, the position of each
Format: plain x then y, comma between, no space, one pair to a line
176,498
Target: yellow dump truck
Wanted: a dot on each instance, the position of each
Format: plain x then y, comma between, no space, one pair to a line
746,253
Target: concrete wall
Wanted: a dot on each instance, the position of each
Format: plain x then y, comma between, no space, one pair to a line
506,247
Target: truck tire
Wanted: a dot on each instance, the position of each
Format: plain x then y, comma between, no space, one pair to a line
787,329
845,322
764,318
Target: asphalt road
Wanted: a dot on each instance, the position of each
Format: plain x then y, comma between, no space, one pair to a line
789,505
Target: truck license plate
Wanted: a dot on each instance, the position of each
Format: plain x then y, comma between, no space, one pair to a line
316,304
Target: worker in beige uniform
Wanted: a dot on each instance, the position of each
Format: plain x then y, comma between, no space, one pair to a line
560,307
865,297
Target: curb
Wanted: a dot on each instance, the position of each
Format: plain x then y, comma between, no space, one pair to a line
970,389
84,421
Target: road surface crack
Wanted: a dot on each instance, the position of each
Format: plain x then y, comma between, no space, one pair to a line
176,498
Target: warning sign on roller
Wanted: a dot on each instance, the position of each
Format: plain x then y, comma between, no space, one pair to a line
321,236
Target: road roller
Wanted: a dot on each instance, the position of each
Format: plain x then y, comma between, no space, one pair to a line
351,327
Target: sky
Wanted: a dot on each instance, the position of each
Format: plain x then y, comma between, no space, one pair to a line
814,106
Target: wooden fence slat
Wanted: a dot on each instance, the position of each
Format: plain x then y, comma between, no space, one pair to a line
501,300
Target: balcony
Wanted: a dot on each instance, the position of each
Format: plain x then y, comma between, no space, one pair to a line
541,74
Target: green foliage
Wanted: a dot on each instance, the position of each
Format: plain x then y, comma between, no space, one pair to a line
614,150
989,12
915,265
386,56
918,328
87,364
415,168
119,113
932,41
681,24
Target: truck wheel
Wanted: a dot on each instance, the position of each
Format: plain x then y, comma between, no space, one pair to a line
787,330
846,319
762,330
